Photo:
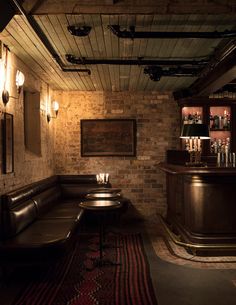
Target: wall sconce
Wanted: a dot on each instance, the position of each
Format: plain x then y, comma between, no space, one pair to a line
55,108
20,79
5,97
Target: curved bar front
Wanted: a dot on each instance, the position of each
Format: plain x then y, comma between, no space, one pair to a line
202,206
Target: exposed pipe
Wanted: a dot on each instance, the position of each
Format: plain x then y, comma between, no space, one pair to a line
45,40
139,61
132,34
156,72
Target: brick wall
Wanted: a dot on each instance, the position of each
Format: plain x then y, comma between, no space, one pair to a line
157,116
27,166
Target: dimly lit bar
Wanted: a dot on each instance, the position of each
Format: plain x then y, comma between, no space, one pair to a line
117,152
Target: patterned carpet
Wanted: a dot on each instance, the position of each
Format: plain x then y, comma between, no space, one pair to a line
75,280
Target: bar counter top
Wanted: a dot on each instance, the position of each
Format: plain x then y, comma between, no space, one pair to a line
187,170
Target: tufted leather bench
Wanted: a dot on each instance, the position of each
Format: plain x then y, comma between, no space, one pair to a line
40,220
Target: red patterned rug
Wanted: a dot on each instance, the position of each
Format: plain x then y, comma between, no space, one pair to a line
73,281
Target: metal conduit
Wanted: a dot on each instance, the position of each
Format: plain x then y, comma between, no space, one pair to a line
132,34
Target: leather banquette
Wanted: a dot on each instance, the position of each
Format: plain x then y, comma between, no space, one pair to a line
40,220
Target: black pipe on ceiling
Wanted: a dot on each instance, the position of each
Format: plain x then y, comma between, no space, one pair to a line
45,40
132,34
156,72
139,61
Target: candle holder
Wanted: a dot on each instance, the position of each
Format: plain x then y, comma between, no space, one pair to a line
102,178
195,133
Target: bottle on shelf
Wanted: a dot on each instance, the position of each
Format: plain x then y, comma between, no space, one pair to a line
185,119
216,122
220,122
220,146
199,119
214,146
225,120
211,120
190,118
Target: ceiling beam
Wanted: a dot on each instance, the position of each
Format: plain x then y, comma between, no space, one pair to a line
217,74
220,71
36,6
133,7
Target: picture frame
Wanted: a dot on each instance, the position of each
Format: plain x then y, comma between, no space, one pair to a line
8,143
108,137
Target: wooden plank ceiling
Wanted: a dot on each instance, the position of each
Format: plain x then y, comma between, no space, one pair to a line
101,43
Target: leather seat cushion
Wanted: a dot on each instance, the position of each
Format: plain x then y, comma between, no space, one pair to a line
64,210
18,218
42,238
45,200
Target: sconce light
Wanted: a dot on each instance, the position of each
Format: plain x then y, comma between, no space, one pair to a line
55,108
20,79
5,96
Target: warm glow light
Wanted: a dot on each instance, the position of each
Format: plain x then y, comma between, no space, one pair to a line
55,106
20,79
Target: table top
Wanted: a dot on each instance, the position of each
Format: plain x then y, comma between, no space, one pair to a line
100,205
102,195
105,190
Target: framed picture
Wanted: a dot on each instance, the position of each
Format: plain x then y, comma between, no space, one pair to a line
8,149
108,137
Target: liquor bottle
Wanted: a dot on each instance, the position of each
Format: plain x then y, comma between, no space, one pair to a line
211,120
221,121
199,119
215,122
223,149
227,145
185,119
195,118
190,118
225,120
228,125
219,144
214,146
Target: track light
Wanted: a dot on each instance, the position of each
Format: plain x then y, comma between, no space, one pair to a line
79,31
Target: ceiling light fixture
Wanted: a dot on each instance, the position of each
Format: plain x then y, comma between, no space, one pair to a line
5,96
79,31
156,72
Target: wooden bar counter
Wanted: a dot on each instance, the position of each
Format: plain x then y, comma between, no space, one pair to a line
202,207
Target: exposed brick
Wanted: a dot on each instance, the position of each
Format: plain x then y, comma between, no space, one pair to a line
28,167
157,117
